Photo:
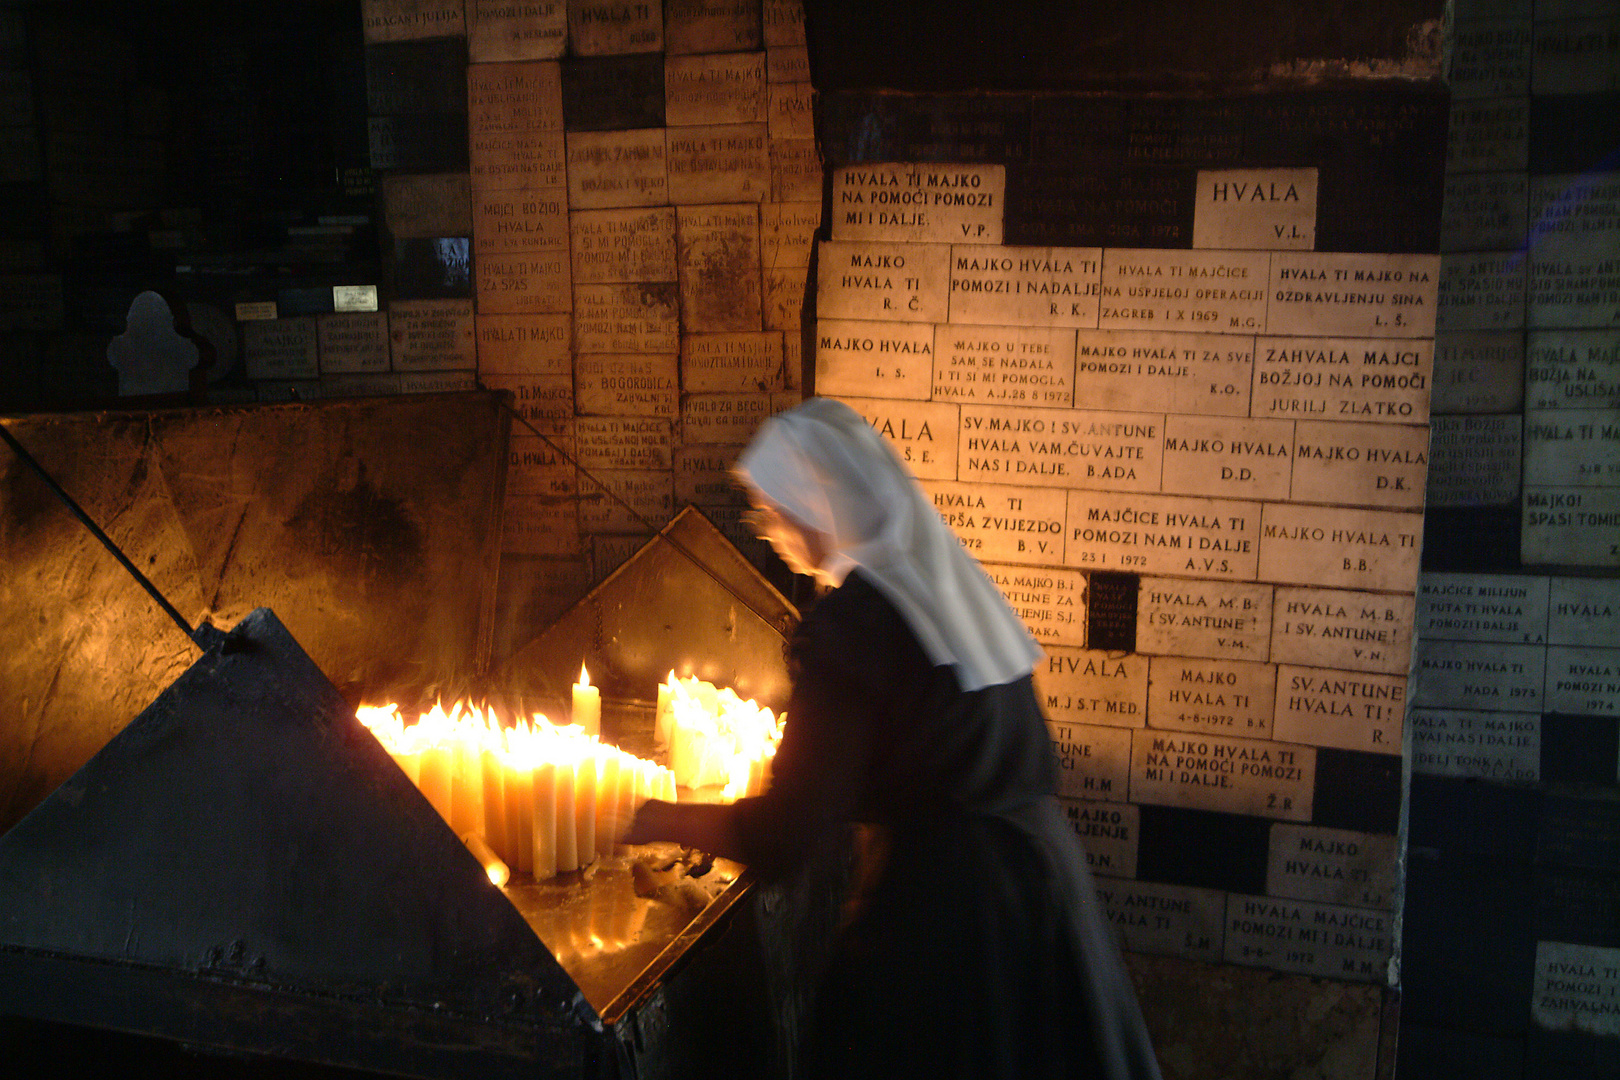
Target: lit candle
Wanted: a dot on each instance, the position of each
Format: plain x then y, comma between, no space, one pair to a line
563,826
495,802
587,704
520,814
492,863
607,804
467,789
544,795
435,770
661,718
585,806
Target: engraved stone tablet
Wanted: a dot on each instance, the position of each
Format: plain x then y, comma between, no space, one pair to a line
1011,364
428,205
787,232
923,434
716,164
795,170
1322,940
256,311
1477,461
1491,135
540,525
539,399
507,222
1577,988
1238,458
437,382
1460,675
1500,746
1108,833
1574,276
432,335
623,245
281,348
278,390
1215,697
1571,526
415,77
1482,291
723,419
623,443
732,363
1490,58
1139,371
727,88
1583,610
1025,286
353,342
783,298
1093,687
1111,597
790,63
1003,524
516,30
1333,866
1219,620
420,143
515,125
1052,603
611,27
1355,630
612,93
792,114
1478,372
407,20
1585,681
1351,710
1383,296
1093,762
626,384
919,203
1210,291
530,282
783,22
369,384
1572,448
1269,209
1167,920
524,344
1062,447
1354,549
1234,776
637,496
616,168
354,298
1156,534
542,466
874,359
718,256
1577,56
626,318
1342,379
703,476
1365,464
1574,369
901,282
1483,607
1484,212
711,26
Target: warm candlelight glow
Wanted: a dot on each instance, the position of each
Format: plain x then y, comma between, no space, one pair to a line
587,704
717,739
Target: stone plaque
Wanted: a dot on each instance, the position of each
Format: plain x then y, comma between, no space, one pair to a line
612,27
624,443
1210,291
874,359
281,348
352,342
1573,369
1250,459
722,419
1062,447
703,476
1477,460
1583,680
1108,834
542,466
1330,294
432,335
1577,56
1011,364
540,525
923,434
1363,464
1140,371
516,30
1572,448
256,311
1093,762
1336,547
718,164
1158,534
369,384
509,222
897,282
354,298
783,298
1463,675
1350,710
998,286
283,390
625,500
1483,607
1481,291
1214,697
1484,212
428,205
617,168
515,125
1051,602
1218,620
528,282
1003,524
1333,866
788,64
1577,988
1488,136
524,344
792,110
1490,58
539,399
1167,920
787,233
732,363
1100,203
612,93
1111,597
783,22
711,26
626,384
795,170
1574,277
627,318
437,382
1269,209
1500,746
919,203
632,245
1342,379
1571,526
1479,372
1583,610
718,257
1093,687
1234,776
408,20
414,77
1329,628
725,88
1322,940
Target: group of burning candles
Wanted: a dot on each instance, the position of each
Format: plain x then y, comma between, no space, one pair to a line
540,798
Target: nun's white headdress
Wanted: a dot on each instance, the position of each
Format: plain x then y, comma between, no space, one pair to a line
828,468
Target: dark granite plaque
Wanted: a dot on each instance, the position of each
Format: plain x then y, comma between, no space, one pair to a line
1203,848
1111,611
431,267
1138,131
1578,907
419,143
1579,750
1357,790
411,77
1090,206
1579,832
613,93
304,300
967,130
1575,133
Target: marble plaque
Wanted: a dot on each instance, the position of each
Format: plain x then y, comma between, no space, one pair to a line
1333,866
1212,697
1476,461
542,466
787,233
703,476
421,143
1491,135
1209,291
923,433
1573,369
1577,56
732,363
1321,940
1490,58
1160,534
795,170
1009,365
612,27
1337,547
1571,526
624,443
538,399
1464,675
627,318
787,64
524,344
783,295
617,168
783,22
625,500
874,359
631,245
626,384
1025,286
427,205
791,110
1140,371
515,125
354,342
1481,291
718,259
711,26
1093,762
1212,772
1583,610
1500,746
409,20
509,222
1330,294
1572,448
724,88
1483,607
1577,989
1251,459
281,348
1052,603
895,282
612,93
919,203
1062,447
1342,379
1108,834
1217,620
516,30
718,163
1583,680
1479,372
1330,628
369,384
1092,687
1574,278
529,282
1167,920
1484,212
1268,209
1348,709
437,382
1361,464
722,419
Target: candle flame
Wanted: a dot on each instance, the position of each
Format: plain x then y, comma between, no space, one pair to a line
584,676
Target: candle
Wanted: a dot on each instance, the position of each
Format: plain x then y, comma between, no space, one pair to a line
467,788
409,762
587,704
494,867
661,718
563,826
545,820
434,777
585,806
519,784
494,771
607,804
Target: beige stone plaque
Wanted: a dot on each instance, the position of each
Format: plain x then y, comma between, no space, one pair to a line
1583,680
703,476
783,300
617,168
1476,460
732,363
923,434
614,442
632,245
1488,136
1576,988
1490,58
638,498
1481,291
939,204
1213,292
1333,866
783,22
1062,447
787,233
524,344
1002,524
1571,526
1572,448
1005,365
1360,631
1215,697
1233,776
1217,620
1335,547
896,282
1321,940
1141,371
1166,920
1577,56
788,64
351,343
1583,610
1466,675
1052,603
256,311
711,26
528,282
1342,379
1268,209
1484,212
1483,607
626,384
1084,686
540,525
510,222
539,399
874,359
516,30
1336,295
1574,369
1024,286
1352,710
718,259
515,125
427,205
718,164
432,335
1479,372
1093,762
542,466
1162,534
1361,464
795,170
724,88
1500,746
723,419
614,27
281,348
627,318
408,20
1108,833
1250,459
792,110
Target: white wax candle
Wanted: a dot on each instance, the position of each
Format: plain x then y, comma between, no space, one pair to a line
495,803
544,799
494,866
667,788
587,704
520,818
607,804
564,827
409,762
585,807
467,789
627,790
434,774
661,719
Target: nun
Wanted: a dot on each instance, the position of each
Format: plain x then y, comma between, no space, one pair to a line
979,948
